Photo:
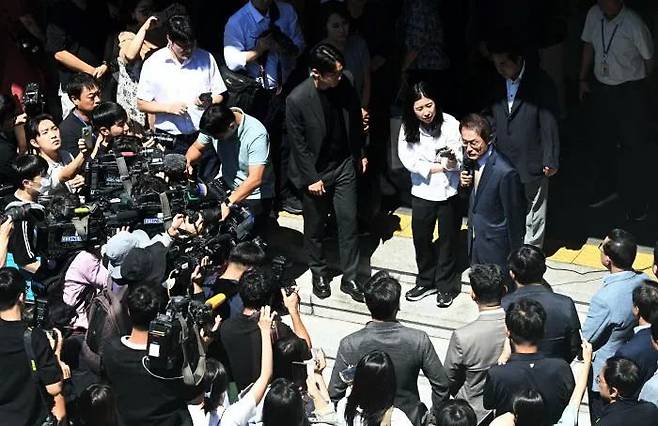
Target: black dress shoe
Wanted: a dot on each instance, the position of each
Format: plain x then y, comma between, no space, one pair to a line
419,292
292,205
353,289
321,287
444,300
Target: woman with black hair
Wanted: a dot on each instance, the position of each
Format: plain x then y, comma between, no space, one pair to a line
97,407
373,394
207,408
429,146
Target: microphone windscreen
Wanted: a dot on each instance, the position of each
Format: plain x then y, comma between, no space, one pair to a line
215,301
174,164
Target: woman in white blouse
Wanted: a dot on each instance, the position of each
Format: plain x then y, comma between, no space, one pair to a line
429,146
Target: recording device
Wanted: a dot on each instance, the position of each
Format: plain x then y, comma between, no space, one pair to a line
86,134
444,152
27,211
161,138
35,312
205,98
174,343
280,281
33,100
469,166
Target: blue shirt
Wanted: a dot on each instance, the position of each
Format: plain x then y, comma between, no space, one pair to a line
241,34
248,146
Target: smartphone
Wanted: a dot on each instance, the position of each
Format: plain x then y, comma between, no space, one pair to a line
300,374
85,134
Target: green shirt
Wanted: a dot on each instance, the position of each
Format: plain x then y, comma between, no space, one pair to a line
248,146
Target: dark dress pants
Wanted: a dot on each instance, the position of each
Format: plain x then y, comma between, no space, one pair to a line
620,141
436,260
340,185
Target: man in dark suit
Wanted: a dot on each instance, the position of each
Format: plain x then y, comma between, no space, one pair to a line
527,368
410,350
496,207
639,348
527,266
324,123
619,381
523,112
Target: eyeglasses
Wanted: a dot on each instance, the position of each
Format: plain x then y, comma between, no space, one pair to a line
471,144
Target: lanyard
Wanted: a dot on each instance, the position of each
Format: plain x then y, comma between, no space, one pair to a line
614,32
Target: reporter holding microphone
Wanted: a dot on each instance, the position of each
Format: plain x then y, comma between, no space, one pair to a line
429,147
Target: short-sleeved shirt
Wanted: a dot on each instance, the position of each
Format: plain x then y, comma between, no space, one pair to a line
248,146
70,130
631,45
164,79
20,402
53,181
21,240
143,399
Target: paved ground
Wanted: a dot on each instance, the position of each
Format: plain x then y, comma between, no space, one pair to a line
572,271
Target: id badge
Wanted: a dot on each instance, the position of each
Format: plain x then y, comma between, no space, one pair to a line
605,70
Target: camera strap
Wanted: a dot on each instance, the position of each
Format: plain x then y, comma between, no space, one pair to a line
124,174
31,358
166,210
81,226
192,377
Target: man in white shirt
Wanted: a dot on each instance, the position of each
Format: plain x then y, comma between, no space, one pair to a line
177,83
263,39
618,47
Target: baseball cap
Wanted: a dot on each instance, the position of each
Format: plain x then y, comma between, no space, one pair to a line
146,265
118,247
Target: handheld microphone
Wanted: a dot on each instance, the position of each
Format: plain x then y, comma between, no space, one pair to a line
216,301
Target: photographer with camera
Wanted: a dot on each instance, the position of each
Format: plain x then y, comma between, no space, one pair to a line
109,121
239,334
85,94
32,376
142,397
243,149
177,83
44,136
242,258
29,172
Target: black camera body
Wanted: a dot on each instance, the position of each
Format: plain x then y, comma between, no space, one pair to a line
33,100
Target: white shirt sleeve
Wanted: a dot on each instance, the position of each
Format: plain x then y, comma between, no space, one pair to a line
147,88
239,413
409,157
590,26
643,40
454,142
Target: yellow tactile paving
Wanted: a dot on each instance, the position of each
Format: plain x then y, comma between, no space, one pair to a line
588,255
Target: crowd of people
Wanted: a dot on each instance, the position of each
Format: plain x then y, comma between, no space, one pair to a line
318,108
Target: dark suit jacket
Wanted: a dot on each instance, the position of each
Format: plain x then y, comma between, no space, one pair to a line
496,213
561,336
410,350
627,413
306,128
528,135
640,350
551,377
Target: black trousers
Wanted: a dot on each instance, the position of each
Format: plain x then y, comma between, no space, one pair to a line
340,185
261,210
620,140
436,260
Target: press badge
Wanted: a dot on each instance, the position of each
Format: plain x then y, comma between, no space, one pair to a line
605,70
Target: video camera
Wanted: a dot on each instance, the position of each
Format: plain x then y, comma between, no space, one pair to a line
33,100
174,341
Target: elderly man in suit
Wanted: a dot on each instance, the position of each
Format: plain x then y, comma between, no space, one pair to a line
324,124
475,347
610,319
410,350
523,111
496,207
